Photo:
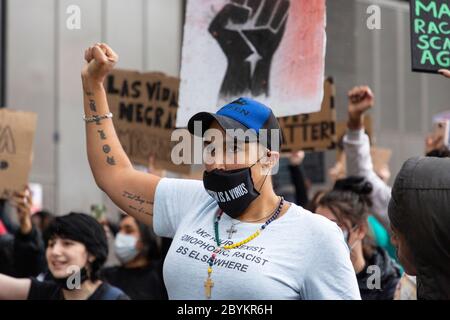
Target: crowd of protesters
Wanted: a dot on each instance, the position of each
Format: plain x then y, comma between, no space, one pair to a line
358,239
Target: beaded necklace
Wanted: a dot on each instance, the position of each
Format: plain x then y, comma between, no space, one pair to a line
209,283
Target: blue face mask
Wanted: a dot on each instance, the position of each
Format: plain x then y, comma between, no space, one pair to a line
125,247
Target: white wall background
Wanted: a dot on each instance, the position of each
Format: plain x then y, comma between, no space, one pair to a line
44,60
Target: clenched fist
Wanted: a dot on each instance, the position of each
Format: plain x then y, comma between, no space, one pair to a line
360,99
23,202
100,60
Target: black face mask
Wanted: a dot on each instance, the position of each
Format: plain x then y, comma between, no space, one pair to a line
233,190
62,282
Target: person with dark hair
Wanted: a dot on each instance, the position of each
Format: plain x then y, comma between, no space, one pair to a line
420,222
439,153
76,249
42,219
357,152
140,272
314,202
348,205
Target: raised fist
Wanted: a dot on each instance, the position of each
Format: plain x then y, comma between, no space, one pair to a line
100,60
23,202
249,32
360,99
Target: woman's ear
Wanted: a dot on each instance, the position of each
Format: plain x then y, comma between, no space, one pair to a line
362,230
272,158
267,159
91,258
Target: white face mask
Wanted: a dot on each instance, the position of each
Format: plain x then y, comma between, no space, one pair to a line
347,236
125,247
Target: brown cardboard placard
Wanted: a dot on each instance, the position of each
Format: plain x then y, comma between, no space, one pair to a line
145,106
314,131
17,130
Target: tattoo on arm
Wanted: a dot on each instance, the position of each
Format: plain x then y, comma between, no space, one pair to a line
111,161
140,203
136,198
102,134
106,149
92,105
140,210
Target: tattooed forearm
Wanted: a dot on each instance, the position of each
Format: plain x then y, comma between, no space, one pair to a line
106,149
102,134
111,161
92,105
136,198
140,210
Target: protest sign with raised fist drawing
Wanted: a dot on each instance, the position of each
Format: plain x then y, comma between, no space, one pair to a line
269,50
249,34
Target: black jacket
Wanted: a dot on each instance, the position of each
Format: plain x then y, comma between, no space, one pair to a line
138,283
299,182
389,277
420,211
22,255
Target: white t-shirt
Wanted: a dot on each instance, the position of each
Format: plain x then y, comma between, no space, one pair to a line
300,255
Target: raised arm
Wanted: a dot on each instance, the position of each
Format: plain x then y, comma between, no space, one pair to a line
357,151
28,248
131,190
14,289
358,158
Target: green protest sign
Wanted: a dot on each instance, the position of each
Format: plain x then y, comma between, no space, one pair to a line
430,35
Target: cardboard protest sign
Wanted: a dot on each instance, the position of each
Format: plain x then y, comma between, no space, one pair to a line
17,130
145,107
314,131
430,35
269,50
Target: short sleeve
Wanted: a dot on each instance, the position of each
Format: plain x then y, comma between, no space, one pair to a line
174,198
330,274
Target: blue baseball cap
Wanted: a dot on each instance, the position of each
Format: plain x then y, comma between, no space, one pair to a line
245,114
